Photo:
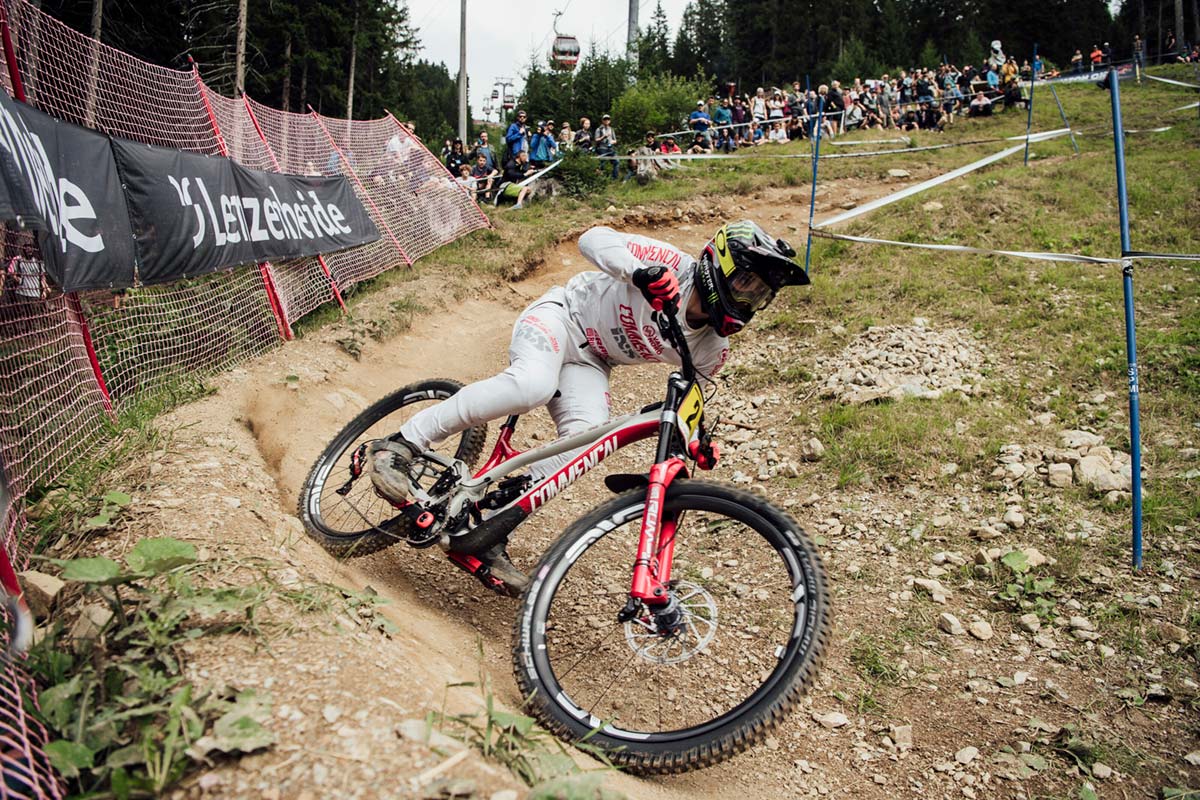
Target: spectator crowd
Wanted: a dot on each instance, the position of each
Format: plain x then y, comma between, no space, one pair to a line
921,98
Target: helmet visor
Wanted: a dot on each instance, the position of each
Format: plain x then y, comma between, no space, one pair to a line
748,292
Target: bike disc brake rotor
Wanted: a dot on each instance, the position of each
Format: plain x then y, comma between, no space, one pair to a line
697,628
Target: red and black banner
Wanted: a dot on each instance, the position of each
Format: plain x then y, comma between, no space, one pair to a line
112,213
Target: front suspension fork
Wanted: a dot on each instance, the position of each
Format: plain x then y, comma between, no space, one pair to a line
656,541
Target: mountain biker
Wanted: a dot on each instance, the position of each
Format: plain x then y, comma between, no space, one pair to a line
566,342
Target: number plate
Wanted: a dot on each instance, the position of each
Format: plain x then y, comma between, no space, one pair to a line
690,412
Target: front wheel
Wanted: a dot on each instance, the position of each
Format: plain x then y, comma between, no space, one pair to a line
750,632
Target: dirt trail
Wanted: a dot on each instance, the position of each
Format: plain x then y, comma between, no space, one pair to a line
231,483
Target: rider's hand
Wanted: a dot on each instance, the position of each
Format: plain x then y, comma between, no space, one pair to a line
706,455
658,285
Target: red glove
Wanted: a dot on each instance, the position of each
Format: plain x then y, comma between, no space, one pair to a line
706,455
659,286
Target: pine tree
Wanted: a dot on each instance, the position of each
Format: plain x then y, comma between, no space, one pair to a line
654,47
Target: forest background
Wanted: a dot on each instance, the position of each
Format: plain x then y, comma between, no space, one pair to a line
304,52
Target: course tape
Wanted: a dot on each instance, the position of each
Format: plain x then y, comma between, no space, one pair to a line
537,175
940,179
1172,82
1163,256
905,140
1127,131
1037,137
1185,108
958,248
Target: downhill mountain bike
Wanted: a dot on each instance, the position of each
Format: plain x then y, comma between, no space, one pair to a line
672,626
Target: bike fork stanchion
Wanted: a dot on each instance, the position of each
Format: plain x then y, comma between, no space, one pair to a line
812,203
1062,113
1135,444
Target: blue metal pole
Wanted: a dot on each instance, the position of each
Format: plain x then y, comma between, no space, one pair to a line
1135,434
812,203
1029,116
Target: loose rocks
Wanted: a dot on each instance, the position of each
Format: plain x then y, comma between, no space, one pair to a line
980,629
950,624
834,719
41,590
897,362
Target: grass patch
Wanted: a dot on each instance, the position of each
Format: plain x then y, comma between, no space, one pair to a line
876,659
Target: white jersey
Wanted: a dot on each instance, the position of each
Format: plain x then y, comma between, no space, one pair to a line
614,316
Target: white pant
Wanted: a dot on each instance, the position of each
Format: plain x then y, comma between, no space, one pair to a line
548,366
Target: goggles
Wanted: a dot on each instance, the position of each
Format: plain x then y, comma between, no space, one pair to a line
748,292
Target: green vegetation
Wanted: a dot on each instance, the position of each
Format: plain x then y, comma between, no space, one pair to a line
533,755
125,719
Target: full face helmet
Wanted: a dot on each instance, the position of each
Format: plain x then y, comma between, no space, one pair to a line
739,273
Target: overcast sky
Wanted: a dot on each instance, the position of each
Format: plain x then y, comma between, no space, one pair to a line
501,36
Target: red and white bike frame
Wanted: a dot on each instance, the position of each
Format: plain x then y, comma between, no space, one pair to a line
656,542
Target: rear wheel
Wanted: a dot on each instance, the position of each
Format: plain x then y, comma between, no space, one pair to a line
673,692
348,517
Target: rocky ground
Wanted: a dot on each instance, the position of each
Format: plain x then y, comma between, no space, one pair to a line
990,637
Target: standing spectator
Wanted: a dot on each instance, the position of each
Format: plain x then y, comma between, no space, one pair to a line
758,106
25,287
1096,56
456,158
906,88
1169,45
1077,62
606,142
700,121
566,137
775,106
482,148
484,175
796,98
740,117
543,148
835,104
924,86
517,137
583,136
993,81
1139,55
1107,50
885,100
1008,73
723,117
829,127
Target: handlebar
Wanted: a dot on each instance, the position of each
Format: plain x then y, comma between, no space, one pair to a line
668,326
